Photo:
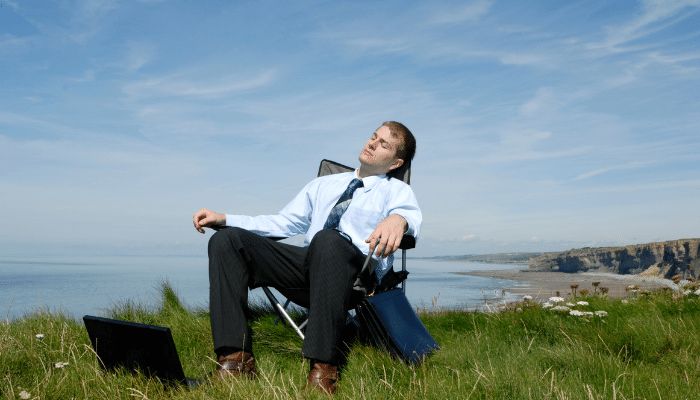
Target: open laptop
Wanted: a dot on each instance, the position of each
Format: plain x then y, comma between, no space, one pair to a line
147,348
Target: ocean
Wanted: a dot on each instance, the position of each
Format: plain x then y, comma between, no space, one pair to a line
82,285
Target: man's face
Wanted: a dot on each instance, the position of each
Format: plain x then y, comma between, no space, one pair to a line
379,153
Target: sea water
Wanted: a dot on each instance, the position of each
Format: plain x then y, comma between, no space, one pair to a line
82,285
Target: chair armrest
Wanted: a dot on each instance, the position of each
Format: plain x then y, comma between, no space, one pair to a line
407,242
219,228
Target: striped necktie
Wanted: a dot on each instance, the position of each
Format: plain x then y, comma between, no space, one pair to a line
342,204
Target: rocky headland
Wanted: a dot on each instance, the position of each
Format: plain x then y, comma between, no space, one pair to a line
658,259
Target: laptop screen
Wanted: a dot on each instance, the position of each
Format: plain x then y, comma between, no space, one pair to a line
147,348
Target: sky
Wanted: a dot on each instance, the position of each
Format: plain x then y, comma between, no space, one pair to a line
540,126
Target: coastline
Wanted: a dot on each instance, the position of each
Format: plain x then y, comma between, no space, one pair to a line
543,285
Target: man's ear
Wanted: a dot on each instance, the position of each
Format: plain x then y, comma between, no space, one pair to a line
396,164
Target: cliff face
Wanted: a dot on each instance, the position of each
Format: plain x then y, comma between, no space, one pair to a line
663,259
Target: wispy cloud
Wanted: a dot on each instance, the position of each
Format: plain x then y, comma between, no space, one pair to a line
462,13
179,85
139,54
9,42
92,11
562,122
656,15
631,165
88,76
137,161
32,124
544,101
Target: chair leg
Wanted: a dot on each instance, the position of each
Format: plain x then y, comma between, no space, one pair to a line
403,268
286,304
353,320
281,311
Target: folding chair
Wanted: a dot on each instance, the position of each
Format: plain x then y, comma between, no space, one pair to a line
408,242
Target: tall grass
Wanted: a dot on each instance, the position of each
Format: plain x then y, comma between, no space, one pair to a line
645,348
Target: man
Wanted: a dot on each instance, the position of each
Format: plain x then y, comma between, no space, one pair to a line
344,216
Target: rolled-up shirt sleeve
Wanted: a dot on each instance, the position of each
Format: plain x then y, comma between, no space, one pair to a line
405,204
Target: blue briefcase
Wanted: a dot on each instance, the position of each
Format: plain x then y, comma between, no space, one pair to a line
389,321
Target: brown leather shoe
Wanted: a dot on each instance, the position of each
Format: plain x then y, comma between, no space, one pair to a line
237,364
323,377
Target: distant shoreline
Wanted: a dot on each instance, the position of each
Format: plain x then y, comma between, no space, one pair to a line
474,261
542,285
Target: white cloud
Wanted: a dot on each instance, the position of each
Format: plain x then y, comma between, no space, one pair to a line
450,239
543,102
468,12
523,139
176,85
88,76
631,165
11,43
515,114
139,54
656,16
469,238
91,11
522,59
40,125
94,162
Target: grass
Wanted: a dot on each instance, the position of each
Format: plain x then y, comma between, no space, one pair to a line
644,348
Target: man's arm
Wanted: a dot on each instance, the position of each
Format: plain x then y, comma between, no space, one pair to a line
389,234
292,220
206,219
404,217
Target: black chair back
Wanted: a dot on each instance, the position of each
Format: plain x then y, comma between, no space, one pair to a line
329,167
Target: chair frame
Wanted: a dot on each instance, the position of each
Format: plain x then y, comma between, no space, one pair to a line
408,242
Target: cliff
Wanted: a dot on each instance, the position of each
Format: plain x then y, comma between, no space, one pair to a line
661,259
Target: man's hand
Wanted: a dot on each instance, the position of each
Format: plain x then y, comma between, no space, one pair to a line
206,219
389,233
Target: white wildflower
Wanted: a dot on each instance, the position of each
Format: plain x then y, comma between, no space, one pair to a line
697,292
582,303
624,301
547,305
576,313
61,364
556,299
588,313
40,336
560,308
527,297
601,313
24,394
569,304
687,292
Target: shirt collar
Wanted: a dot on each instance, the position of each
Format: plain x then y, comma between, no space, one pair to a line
370,181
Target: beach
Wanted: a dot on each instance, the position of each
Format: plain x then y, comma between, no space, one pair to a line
542,285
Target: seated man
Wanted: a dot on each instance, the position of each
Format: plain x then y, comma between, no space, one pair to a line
344,216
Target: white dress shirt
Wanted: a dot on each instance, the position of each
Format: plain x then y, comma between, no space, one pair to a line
380,197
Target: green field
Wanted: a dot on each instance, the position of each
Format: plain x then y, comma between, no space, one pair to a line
646,347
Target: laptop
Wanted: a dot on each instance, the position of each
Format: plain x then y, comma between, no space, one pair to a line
147,348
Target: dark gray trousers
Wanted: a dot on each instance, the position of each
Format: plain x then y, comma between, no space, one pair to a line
319,277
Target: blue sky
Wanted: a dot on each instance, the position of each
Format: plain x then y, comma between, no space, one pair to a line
541,126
